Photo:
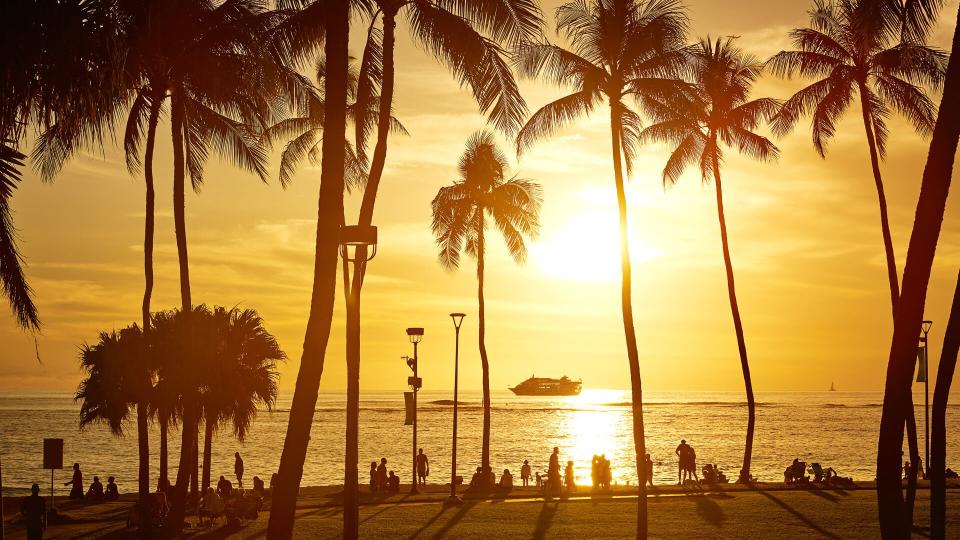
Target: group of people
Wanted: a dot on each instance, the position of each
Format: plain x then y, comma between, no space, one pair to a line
600,471
97,492
380,481
713,475
687,466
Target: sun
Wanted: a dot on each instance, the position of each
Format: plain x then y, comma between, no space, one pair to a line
587,248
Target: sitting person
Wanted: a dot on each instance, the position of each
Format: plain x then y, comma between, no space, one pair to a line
506,480
95,493
721,478
258,486
709,474
224,487
393,483
949,473
211,506
112,492
475,480
273,481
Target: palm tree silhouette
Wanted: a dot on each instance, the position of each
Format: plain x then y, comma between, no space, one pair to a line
619,48
13,281
717,110
241,377
459,224
852,50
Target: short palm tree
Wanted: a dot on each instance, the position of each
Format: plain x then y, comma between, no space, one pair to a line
240,378
619,49
716,111
852,51
459,224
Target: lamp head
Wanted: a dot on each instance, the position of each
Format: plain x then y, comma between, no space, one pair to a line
415,334
926,326
353,237
457,319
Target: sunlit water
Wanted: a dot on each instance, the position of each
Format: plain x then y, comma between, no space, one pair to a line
838,429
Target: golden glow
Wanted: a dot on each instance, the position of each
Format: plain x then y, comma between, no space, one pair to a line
587,248
593,428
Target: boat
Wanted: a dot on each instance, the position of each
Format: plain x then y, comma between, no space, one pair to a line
542,386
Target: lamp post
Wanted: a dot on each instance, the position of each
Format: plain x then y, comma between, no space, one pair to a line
925,326
415,335
457,321
358,244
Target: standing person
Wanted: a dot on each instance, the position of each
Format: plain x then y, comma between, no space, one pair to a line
34,511
649,470
595,471
692,464
423,468
568,477
525,473
553,470
76,492
382,475
605,475
238,469
373,477
682,451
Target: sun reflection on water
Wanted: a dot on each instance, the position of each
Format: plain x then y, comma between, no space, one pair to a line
592,427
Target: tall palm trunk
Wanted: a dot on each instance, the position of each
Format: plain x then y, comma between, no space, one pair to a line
484,363
882,200
164,425
737,326
938,426
188,427
626,301
914,450
209,424
928,221
329,217
143,432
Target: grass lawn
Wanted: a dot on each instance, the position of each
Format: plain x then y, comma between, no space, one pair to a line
733,513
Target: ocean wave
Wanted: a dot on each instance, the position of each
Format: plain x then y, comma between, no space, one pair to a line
446,402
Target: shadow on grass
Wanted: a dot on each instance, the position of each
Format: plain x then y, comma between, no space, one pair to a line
806,521
545,519
709,510
454,519
824,494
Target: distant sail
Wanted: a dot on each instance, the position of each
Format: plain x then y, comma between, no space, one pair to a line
832,388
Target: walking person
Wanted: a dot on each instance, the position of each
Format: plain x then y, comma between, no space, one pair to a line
682,451
525,473
238,469
423,468
34,511
649,470
76,492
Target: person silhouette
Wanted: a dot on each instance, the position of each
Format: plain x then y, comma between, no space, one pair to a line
553,470
382,475
525,473
76,492
238,469
224,487
373,477
34,511
569,477
112,492
649,470
683,452
95,493
423,468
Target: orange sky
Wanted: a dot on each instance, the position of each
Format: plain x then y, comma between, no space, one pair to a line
804,235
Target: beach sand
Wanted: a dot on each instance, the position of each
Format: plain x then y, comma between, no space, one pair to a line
769,511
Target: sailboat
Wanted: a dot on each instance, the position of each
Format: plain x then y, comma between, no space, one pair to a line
832,388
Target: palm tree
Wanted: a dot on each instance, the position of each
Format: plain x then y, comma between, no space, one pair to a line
938,425
459,224
332,21
851,51
716,111
619,48
240,378
117,375
13,282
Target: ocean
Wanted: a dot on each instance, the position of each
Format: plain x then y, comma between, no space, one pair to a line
837,429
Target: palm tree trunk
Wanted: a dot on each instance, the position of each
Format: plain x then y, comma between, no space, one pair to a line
164,422
207,452
484,363
928,221
894,281
195,465
188,429
626,301
914,449
737,326
938,425
143,432
329,217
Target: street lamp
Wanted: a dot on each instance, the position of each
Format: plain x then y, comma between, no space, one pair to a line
358,244
415,335
925,326
457,321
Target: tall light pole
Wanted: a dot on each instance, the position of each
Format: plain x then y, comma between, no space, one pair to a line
457,321
415,335
925,326
358,244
